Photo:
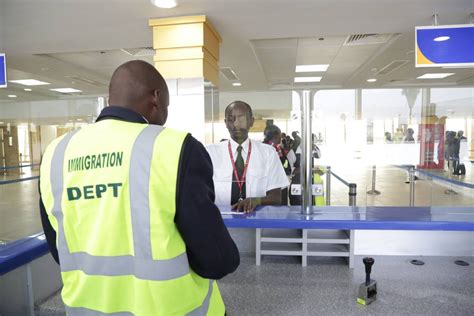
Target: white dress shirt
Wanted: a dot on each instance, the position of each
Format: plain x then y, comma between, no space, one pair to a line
264,171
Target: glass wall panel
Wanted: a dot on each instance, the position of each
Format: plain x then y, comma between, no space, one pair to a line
388,130
26,129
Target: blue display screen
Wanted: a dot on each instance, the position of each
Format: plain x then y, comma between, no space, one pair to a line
457,48
3,71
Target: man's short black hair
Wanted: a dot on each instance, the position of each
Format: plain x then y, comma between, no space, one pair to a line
249,109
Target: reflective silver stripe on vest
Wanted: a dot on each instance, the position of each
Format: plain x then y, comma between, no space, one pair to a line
202,310
142,265
81,311
147,269
140,166
56,179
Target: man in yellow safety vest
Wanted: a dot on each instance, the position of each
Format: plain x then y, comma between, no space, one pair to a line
128,209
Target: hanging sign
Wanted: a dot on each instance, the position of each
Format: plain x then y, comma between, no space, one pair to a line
3,71
444,45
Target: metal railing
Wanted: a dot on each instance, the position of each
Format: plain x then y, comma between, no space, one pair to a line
352,187
413,171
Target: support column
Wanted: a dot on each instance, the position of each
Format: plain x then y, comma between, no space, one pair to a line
187,55
471,140
431,134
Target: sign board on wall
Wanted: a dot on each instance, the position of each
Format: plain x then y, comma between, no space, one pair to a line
3,71
444,45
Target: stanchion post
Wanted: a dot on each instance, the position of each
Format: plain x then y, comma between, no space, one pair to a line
352,194
21,164
412,185
328,185
374,175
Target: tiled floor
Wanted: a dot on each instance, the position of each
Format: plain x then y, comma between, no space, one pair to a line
280,286
19,201
19,211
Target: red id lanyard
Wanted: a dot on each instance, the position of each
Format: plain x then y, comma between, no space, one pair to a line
240,181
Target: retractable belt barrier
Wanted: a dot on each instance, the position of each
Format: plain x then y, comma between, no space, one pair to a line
18,167
18,180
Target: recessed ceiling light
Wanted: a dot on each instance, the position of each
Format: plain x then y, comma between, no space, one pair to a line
371,80
308,79
28,89
236,84
311,68
66,90
30,82
165,4
12,96
435,76
441,38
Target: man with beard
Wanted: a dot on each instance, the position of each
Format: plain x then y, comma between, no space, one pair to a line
246,173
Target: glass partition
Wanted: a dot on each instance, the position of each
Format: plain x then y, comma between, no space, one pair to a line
26,129
366,134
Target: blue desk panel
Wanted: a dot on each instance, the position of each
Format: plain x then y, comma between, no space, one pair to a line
353,217
21,252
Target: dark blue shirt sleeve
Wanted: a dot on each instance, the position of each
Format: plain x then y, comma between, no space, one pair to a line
211,251
49,232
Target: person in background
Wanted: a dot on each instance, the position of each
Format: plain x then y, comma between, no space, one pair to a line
127,207
409,136
246,173
398,136
460,135
460,167
388,137
318,171
296,141
273,137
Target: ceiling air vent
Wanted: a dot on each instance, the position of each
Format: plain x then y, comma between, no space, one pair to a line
391,67
364,39
139,51
88,81
229,73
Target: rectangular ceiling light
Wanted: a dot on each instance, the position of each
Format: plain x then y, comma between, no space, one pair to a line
66,90
311,68
308,79
435,76
30,82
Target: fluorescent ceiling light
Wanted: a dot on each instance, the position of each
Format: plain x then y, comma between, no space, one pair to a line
28,89
435,76
30,82
165,4
12,96
66,90
371,80
236,84
308,79
311,68
441,38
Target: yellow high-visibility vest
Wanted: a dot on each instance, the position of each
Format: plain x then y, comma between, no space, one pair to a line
109,190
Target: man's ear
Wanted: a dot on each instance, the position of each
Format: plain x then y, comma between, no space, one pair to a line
156,98
252,120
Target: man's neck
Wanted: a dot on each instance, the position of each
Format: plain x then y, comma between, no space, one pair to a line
240,141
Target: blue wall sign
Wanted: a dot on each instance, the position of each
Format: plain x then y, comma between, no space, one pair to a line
3,71
445,45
